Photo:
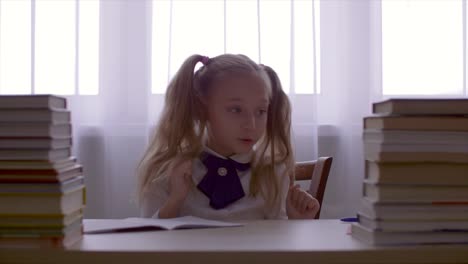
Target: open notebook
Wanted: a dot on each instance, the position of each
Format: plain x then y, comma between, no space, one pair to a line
96,226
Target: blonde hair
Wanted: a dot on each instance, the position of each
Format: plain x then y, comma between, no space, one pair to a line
181,128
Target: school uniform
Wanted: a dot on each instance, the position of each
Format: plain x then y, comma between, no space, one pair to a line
198,203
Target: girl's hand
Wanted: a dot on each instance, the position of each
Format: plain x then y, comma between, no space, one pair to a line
300,204
180,180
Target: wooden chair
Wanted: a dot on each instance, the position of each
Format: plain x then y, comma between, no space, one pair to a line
317,172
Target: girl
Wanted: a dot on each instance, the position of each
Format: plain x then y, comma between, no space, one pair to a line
222,147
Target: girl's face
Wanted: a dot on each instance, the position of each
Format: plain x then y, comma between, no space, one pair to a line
237,108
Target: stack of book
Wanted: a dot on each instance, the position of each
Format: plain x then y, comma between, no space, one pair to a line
416,184
41,184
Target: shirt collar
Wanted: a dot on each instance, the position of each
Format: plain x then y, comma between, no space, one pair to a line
241,158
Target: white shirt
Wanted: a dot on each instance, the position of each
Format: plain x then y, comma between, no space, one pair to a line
198,204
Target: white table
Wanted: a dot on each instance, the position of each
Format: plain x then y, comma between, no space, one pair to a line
269,241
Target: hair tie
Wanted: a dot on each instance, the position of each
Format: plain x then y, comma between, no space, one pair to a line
204,60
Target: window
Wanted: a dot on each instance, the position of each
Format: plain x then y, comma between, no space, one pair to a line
46,48
282,34
423,47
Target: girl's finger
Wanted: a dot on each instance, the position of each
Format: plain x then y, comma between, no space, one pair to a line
289,195
304,202
295,196
300,197
314,204
313,207
291,191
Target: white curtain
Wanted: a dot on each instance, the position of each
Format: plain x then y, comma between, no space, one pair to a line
351,80
112,128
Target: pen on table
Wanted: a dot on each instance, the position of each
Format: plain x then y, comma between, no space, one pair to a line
350,219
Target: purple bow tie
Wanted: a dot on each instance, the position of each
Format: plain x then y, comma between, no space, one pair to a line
221,183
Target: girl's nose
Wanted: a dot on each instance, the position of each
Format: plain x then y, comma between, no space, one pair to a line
249,121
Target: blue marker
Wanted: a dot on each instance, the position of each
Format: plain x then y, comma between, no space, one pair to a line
350,219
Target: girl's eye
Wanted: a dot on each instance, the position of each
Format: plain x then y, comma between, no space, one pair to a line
262,111
235,110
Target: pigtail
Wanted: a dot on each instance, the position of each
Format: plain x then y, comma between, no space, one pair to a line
181,117
279,123
275,149
179,130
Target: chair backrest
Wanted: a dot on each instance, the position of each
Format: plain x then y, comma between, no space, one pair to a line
317,172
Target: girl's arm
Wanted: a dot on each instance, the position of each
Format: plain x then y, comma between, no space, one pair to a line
180,183
171,207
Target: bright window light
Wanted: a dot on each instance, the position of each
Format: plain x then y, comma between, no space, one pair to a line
55,49
422,47
304,51
189,21
275,38
88,45
240,30
39,44
15,47
259,29
160,45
